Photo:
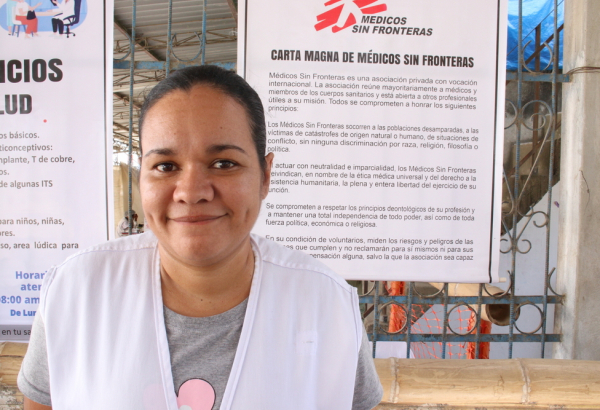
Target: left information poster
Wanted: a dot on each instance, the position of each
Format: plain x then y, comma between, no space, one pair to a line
55,144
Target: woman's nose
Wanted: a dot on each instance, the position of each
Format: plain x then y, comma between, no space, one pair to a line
193,186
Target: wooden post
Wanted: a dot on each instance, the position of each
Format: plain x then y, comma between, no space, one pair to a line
578,243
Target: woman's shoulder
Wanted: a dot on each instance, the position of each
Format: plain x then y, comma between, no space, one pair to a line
124,245
103,266
135,250
295,262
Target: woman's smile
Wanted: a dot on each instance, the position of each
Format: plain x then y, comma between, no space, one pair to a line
196,219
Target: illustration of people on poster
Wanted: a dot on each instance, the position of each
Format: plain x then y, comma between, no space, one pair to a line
386,120
54,147
22,17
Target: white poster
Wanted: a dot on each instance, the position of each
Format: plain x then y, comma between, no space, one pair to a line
55,144
386,120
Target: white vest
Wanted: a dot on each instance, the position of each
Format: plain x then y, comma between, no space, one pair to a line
108,349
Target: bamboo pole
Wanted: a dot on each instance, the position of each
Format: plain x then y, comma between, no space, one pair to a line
11,356
489,384
434,384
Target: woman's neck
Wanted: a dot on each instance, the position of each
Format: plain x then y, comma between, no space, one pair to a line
207,290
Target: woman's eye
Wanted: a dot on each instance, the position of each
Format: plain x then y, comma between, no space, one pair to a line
224,164
165,167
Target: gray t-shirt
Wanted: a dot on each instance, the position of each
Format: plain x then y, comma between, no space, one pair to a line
202,351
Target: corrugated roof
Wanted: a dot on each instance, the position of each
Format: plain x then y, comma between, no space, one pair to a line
151,39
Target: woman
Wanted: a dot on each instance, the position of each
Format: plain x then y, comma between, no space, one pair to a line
200,314
10,16
123,227
60,12
21,11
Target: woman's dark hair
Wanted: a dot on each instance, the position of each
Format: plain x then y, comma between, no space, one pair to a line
226,81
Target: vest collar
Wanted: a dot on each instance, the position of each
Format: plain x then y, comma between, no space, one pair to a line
240,354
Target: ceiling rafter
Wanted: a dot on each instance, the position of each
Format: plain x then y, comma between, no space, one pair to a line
233,7
191,39
124,139
178,23
126,33
121,127
125,98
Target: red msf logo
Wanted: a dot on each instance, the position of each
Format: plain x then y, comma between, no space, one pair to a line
344,13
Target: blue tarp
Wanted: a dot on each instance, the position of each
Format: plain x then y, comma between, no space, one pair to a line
534,13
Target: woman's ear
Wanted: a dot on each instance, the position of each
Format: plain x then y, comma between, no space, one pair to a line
266,180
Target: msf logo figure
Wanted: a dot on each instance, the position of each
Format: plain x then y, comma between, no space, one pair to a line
344,13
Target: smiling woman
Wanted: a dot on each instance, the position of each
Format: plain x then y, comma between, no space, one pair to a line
202,183
198,313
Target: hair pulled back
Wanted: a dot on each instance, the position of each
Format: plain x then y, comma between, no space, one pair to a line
226,81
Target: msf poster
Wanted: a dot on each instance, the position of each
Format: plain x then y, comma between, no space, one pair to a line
386,120
55,143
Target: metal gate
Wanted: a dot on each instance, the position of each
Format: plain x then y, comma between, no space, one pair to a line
433,320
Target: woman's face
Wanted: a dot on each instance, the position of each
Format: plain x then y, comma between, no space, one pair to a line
201,182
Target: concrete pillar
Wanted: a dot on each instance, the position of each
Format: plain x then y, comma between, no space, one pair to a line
579,233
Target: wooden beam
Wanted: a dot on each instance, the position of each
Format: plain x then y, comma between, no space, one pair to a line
126,33
437,384
233,7
122,127
488,384
126,99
